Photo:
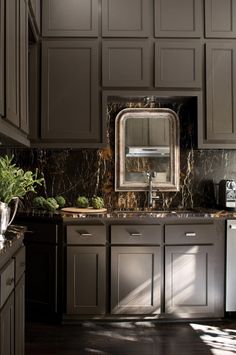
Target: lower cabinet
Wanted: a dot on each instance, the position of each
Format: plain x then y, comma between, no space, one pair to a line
86,269
135,280
86,275
42,268
7,327
194,271
12,301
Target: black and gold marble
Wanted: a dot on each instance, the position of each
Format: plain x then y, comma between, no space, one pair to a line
91,171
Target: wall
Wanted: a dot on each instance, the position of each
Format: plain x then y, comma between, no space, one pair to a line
91,171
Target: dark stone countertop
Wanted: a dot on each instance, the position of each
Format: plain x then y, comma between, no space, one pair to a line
124,215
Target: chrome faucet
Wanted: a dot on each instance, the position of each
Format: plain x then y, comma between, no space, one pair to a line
151,196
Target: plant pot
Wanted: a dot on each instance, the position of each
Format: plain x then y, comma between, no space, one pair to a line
5,213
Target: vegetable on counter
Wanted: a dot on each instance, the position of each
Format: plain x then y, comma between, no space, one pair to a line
50,204
97,202
38,202
61,201
82,202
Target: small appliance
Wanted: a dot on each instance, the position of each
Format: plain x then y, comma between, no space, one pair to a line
227,194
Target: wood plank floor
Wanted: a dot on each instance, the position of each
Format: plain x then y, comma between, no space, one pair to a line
136,338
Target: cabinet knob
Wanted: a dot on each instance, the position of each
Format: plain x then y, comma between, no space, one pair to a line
190,234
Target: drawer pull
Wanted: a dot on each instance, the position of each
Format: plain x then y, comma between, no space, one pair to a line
232,226
190,234
85,234
9,282
135,234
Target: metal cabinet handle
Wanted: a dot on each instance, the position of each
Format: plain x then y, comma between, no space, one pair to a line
85,234
190,234
135,234
232,226
9,282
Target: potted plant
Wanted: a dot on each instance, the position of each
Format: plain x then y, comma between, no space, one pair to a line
14,185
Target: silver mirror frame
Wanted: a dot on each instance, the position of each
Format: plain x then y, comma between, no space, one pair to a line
120,183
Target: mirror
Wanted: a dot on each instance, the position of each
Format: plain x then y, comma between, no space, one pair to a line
146,141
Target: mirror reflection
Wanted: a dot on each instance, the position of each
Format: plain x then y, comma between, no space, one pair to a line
147,142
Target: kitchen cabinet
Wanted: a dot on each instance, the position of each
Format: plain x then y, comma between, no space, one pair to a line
178,64
70,93
7,327
220,121
178,18
220,19
122,18
12,330
42,298
126,63
192,276
71,18
2,58
86,270
23,68
12,62
135,269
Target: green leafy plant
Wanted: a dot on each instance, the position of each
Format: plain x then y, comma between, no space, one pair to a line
14,181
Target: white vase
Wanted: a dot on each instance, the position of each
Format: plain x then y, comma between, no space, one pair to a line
5,213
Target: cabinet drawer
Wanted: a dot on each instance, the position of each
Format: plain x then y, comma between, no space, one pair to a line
136,234
19,264
85,234
190,234
6,282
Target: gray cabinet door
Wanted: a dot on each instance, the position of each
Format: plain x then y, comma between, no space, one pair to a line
7,327
24,123
135,280
20,317
220,125
70,97
86,279
36,10
70,18
12,61
189,280
178,18
2,57
220,18
126,18
178,63
126,63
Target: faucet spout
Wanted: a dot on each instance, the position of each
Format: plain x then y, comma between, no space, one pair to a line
151,197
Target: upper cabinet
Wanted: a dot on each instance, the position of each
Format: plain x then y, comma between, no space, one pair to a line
126,63
70,89
2,58
70,18
178,63
219,130
178,18
220,18
126,18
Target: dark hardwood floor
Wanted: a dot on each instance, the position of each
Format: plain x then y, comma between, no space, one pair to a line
137,338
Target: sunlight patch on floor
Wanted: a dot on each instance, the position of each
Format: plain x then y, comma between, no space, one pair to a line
220,341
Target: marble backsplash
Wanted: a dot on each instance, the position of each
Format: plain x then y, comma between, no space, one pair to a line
91,171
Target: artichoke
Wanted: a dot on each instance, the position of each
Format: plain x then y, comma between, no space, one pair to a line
97,202
50,204
38,202
82,202
61,201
